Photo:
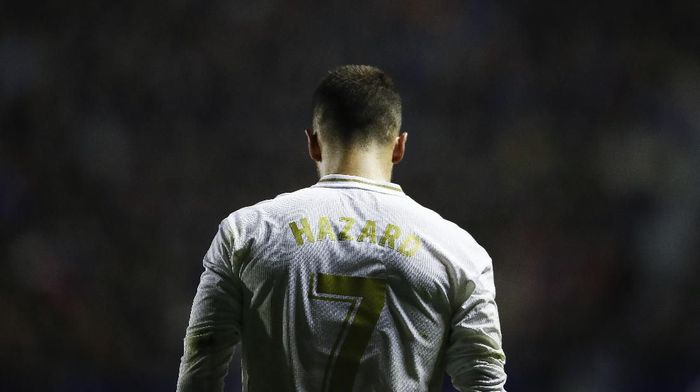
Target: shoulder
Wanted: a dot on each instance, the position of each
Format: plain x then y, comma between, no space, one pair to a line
260,217
456,240
271,206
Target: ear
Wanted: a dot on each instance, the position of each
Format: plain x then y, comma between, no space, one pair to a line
313,144
399,148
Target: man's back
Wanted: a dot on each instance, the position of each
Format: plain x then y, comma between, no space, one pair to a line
348,285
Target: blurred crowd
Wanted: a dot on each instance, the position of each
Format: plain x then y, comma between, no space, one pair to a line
565,136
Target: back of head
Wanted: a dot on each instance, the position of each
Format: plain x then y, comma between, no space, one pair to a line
358,105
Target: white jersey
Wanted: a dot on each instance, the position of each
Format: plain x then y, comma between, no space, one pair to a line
348,285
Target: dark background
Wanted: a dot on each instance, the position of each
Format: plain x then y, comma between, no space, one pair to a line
564,136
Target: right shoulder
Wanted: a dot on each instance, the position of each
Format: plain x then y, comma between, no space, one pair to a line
256,220
279,203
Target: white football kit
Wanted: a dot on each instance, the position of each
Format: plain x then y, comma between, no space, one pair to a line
348,285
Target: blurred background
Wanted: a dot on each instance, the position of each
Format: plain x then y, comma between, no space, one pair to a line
565,136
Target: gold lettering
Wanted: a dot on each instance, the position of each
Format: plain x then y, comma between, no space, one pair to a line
370,230
349,223
304,231
325,229
410,245
391,233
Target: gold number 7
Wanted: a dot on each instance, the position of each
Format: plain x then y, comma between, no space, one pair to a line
369,296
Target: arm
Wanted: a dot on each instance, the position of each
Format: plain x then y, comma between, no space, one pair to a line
475,359
215,322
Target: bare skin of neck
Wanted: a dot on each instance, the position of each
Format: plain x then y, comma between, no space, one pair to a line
374,161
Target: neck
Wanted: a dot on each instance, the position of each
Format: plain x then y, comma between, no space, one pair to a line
366,163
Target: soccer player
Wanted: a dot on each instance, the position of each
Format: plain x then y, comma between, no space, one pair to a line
347,285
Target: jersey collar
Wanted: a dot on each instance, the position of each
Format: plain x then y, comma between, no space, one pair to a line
346,181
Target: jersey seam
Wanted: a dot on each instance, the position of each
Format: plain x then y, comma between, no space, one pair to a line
395,188
358,186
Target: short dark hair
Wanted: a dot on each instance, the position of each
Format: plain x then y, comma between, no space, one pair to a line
357,104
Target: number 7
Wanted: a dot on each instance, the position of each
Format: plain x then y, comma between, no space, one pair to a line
369,299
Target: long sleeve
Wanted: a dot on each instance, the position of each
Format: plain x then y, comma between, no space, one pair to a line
215,322
475,359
